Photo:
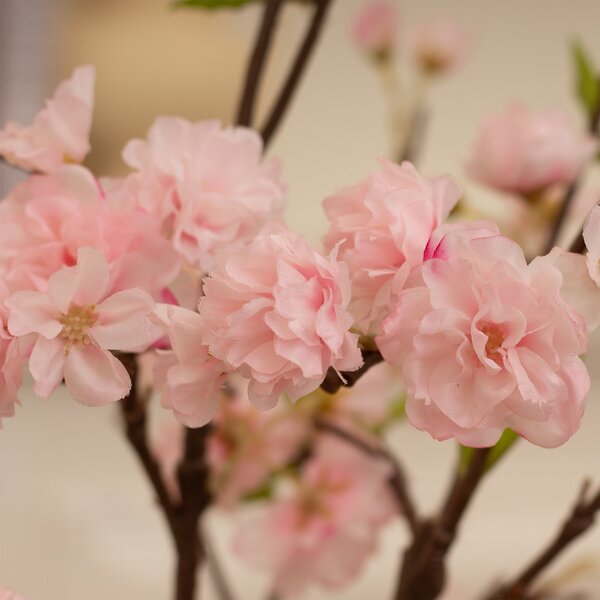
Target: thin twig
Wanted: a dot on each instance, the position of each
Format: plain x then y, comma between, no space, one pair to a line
423,572
304,53
215,569
398,481
580,519
332,382
257,62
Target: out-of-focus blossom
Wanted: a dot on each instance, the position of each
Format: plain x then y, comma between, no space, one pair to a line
189,377
168,446
60,131
276,312
383,225
208,186
372,402
323,530
524,153
591,235
76,323
376,28
6,594
246,445
488,342
439,46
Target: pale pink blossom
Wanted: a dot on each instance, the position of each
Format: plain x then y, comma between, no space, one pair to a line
189,377
47,218
76,324
59,132
6,594
276,312
168,448
439,45
324,529
591,236
208,186
523,152
376,27
246,445
487,342
383,225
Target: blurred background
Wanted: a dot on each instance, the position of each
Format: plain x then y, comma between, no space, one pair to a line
76,518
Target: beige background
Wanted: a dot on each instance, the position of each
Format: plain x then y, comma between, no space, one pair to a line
76,518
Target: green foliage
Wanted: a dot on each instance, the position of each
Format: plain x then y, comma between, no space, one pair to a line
587,79
213,4
508,438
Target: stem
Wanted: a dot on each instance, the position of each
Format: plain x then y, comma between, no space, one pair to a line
332,382
195,497
423,573
215,570
304,53
397,480
257,62
580,519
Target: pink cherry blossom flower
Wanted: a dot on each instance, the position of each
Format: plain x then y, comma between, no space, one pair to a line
189,377
376,27
6,594
524,153
209,187
383,225
439,45
276,312
487,342
246,445
168,447
76,323
323,531
591,235
59,132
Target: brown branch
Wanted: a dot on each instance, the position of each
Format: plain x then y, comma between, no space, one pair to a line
580,519
257,62
304,53
398,481
423,573
182,517
332,382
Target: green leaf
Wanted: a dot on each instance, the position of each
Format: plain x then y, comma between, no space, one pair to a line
508,438
587,83
213,4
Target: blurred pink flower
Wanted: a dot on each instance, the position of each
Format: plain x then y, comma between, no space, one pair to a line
439,45
60,131
76,323
376,27
591,235
382,226
168,446
209,187
488,342
524,153
8,595
246,445
324,530
276,312
189,377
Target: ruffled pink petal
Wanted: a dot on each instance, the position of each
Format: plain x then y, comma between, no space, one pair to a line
31,312
95,377
46,365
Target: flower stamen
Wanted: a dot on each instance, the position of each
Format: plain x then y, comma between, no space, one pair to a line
75,325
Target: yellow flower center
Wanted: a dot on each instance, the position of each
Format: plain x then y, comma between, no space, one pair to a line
76,323
495,340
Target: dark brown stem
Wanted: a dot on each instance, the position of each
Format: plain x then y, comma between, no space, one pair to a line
182,517
257,62
578,244
332,382
580,519
416,134
133,408
304,53
398,481
423,573
193,477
